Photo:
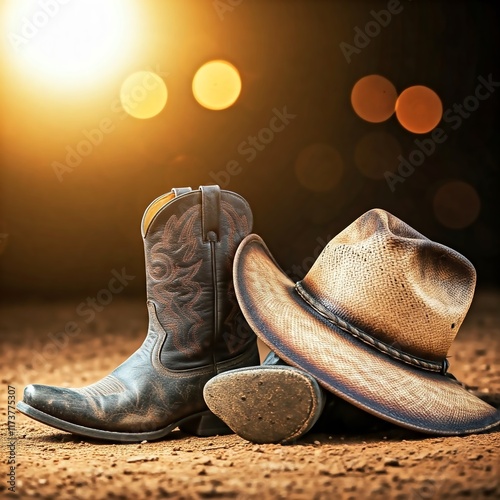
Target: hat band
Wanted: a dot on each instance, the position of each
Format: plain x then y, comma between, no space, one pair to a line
426,364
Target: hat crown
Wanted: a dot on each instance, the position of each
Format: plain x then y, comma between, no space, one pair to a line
389,280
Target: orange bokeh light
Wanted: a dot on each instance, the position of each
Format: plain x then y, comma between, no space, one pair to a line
456,204
373,98
419,109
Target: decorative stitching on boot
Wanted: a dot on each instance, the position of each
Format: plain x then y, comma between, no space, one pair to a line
157,337
104,387
173,267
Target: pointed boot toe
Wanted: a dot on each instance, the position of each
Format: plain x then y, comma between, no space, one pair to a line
59,407
44,398
120,407
34,394
37,400
196,329
266,404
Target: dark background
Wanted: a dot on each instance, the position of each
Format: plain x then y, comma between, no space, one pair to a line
65,238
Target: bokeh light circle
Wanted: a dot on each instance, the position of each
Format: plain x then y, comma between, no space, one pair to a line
419,109
376,153
373,98
143,94
217,85
456,204
319,167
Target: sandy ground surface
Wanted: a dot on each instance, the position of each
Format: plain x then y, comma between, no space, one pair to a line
391,464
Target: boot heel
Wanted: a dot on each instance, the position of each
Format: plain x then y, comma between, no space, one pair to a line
205,425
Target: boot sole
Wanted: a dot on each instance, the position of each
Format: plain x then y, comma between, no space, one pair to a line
200,424
274,404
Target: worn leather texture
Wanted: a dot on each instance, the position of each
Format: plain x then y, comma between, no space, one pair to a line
196,329
189,277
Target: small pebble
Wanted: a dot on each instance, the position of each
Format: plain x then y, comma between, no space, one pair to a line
391,462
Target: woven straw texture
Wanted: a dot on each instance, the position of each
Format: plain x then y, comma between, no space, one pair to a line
384,277
388,279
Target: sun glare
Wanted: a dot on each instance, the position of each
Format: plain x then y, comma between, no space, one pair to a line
69,42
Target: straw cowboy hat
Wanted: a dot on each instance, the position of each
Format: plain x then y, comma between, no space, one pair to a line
372,321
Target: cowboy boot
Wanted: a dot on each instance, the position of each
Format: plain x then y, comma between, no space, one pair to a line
196,329
277,403
271,403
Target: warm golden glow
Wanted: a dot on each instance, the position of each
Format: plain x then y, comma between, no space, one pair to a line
419,109
319,167
217,85
153,209
143,94
66,42
373,98
456,204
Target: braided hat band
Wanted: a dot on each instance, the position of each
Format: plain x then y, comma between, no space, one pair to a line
393,352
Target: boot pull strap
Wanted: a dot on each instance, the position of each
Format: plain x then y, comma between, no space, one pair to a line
179,191
210,212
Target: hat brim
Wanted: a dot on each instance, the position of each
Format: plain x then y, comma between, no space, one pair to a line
394,391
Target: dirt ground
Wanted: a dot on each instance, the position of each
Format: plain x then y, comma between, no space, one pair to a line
391,464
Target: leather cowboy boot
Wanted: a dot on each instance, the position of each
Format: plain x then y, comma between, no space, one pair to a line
196,329
277,403
271,403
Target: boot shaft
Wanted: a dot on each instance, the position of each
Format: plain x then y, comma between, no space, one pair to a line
190,238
